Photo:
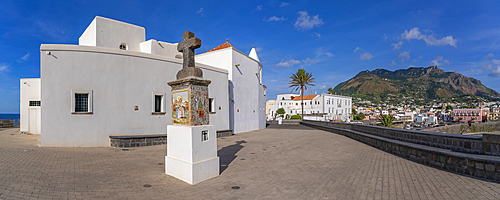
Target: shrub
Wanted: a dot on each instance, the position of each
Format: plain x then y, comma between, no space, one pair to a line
295,117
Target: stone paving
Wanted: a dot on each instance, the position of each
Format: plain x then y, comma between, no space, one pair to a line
279,162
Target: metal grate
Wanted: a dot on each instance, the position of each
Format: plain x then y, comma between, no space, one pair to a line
34,103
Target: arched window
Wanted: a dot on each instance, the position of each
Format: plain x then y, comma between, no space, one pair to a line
123,46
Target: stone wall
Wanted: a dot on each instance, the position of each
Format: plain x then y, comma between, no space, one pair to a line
482,166
464,143
125,141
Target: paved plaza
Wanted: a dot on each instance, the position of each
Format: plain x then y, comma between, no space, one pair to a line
279,162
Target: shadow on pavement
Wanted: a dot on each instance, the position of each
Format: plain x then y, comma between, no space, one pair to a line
289,126
228,154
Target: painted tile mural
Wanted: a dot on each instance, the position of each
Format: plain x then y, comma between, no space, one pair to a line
181,107
199,105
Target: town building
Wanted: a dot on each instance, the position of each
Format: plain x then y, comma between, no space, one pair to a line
114,83
325,107
470,114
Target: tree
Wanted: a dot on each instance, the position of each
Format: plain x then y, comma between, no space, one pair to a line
354,112
448,107
330,91
386,120
280,111
300,81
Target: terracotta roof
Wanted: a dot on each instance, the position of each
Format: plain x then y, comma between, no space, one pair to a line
306,97
222,46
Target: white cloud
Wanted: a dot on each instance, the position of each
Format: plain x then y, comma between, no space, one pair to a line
495,72
305,22
329,54
309,61
274,18
25,57
317,35
414,60
322,87
392,63
490,55
357,48
420,57
4,67
494,66
397,45
385,36
411,66
288,63
430,40
405,55
436,62
258,49
283,4
200,10
259,7
366,56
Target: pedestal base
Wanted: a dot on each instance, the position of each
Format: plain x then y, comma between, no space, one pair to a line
192,153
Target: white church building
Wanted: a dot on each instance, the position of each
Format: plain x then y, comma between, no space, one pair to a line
324,107
114,83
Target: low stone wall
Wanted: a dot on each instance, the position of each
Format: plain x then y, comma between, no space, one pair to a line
291,121
464,143
482,166
6,123
126,141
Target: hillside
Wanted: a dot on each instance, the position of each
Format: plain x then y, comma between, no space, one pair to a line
415,84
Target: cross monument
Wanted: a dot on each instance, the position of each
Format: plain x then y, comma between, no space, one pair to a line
192,141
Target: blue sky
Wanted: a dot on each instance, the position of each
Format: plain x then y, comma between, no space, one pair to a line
334,40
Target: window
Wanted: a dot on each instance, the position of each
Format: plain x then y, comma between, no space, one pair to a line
158,104
34,103
81,101
211,105
123,46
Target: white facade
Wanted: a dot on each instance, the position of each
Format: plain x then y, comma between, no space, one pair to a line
329,106
121,74
30,107
246,91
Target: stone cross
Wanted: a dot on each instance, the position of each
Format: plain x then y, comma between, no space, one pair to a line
187,46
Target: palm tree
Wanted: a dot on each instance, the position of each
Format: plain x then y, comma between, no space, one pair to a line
330,91
300,81
386,120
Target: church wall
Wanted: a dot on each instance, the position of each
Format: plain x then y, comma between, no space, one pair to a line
30,91
111,33
119,81
247,94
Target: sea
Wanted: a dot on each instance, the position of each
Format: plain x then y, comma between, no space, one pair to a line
9,116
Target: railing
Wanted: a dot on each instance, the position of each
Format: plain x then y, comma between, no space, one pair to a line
9,123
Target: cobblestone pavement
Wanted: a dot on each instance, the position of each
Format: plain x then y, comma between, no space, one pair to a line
272,163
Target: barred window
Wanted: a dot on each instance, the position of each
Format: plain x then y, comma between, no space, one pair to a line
81,102
34,103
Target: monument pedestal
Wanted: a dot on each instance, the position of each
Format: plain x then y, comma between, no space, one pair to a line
192,153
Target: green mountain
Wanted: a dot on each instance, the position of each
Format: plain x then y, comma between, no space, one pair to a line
413,84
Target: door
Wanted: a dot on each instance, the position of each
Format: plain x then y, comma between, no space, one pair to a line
34,116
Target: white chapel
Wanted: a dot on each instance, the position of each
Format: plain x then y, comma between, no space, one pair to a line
114,83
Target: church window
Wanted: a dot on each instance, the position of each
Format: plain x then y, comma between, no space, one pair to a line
34,103
211,105
81,101
283,98
123,46
158,104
